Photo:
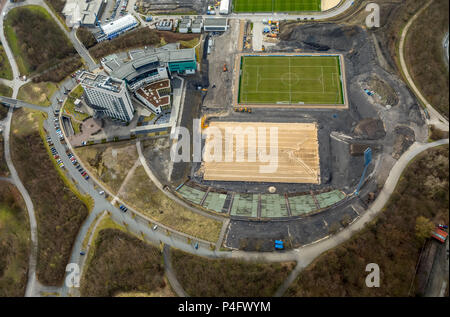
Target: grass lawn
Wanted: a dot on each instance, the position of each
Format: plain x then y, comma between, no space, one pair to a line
5,66
37,93
122,263
143,195
14,45
290,80
276,5
190,43
390,240
228,277
37,42
69,106
5,91
14,242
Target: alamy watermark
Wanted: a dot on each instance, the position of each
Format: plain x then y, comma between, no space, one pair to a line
373,278
73,278
373,18
251,145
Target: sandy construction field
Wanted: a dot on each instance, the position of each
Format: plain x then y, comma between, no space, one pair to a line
329,4
294,159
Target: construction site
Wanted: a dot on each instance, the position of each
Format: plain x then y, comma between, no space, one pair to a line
320,154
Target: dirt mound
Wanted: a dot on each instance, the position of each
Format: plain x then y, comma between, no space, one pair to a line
370,128
322,36
404,138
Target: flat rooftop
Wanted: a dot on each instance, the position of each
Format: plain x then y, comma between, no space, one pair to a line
215,21
147,59
151,93
296,161
101,81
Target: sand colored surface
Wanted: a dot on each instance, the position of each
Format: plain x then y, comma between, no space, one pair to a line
329,4
297,160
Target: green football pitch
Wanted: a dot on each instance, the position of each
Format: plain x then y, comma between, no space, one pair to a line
290,80
276,5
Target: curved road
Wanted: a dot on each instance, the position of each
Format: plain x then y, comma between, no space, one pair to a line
435,117
16,83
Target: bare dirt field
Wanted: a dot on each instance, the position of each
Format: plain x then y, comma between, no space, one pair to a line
110,162
297,160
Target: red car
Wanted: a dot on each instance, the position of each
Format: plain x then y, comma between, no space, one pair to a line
83,174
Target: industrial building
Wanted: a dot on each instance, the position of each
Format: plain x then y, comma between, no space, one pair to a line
107,96
197,25
185,25
140,67
215,24
224,7
119,26
164,25
83,12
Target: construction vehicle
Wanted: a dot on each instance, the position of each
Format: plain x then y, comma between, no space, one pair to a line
243,109
279,245
439,235
203,123
225,69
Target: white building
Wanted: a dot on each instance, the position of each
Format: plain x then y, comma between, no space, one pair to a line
224,6
107,96
119,26
83,12
197,25
215,24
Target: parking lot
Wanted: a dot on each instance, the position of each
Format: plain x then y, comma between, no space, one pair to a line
114,9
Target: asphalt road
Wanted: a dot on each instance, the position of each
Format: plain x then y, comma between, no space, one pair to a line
435,117
259,17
